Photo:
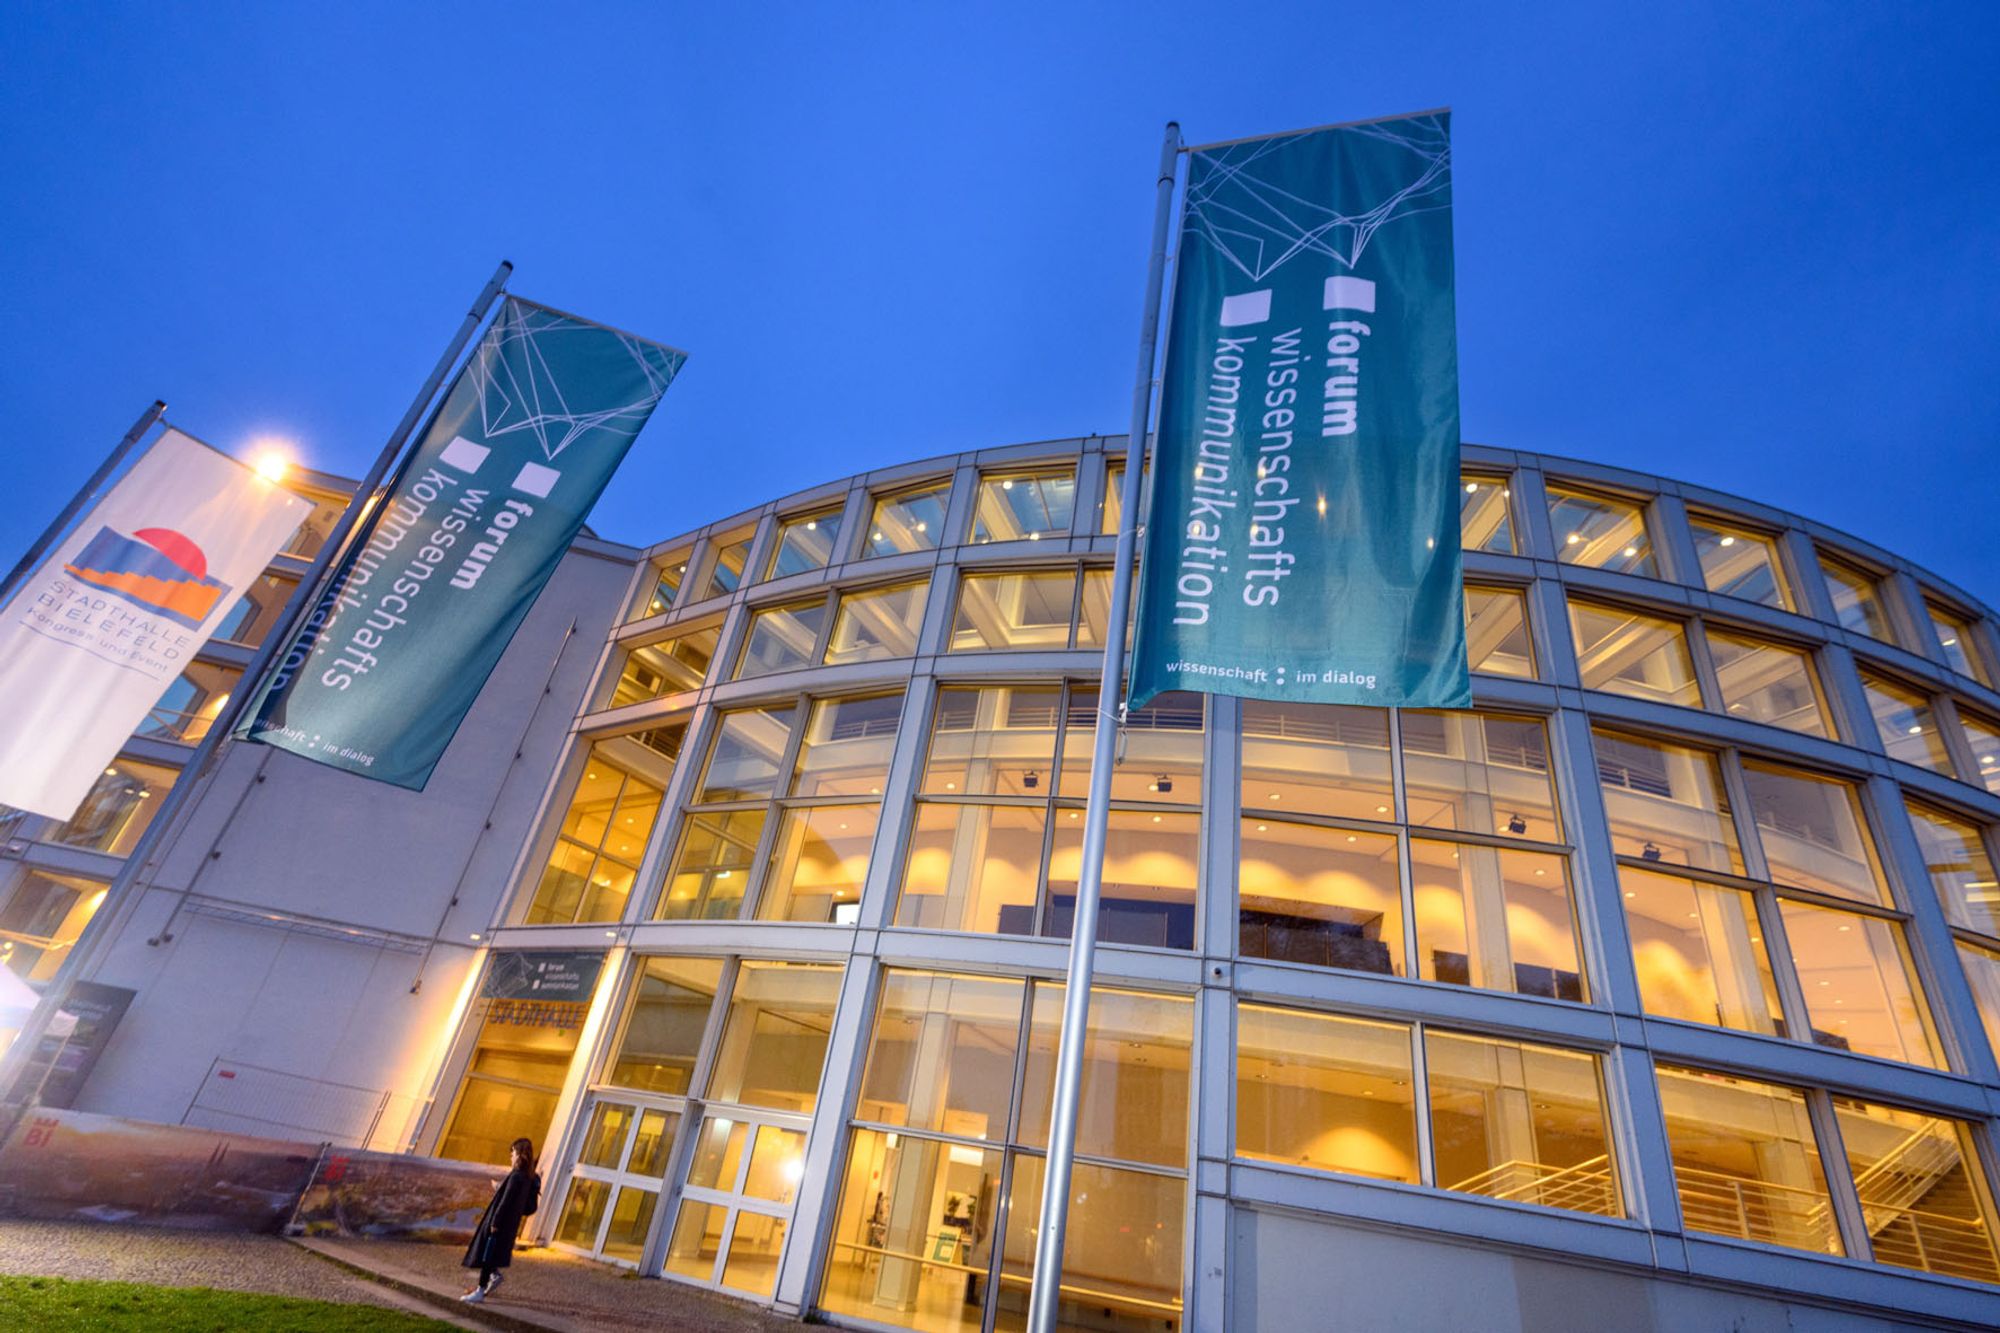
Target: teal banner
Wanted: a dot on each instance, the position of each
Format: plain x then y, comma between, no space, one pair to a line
1302,542
389,659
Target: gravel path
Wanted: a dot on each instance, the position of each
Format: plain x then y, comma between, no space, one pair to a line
167,1257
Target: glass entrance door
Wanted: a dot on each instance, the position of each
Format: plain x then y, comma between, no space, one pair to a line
614,1184
737,1203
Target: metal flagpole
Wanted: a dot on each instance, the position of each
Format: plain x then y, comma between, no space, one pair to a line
121,900
1047,1290
88,492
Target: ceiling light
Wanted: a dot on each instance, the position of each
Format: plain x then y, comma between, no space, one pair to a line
1471,487
1728,541
1574,538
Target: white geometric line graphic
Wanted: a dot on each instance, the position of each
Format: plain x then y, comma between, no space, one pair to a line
1258,227
519,390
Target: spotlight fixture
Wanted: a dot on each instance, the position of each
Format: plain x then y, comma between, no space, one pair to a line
1163,784
1649,853
1516,825
1031,780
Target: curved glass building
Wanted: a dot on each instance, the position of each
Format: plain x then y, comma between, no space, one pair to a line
1659,991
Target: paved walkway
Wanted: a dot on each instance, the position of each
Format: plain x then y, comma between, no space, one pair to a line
166,1257
550,1290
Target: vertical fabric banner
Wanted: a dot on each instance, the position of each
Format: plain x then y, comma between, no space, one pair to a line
95,636
401,639
1303,538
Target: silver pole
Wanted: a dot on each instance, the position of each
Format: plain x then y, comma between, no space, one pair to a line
85,494
121,899
1046,1295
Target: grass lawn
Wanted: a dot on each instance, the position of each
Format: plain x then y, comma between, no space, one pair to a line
57,1303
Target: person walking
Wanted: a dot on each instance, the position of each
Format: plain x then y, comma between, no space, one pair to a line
492,1247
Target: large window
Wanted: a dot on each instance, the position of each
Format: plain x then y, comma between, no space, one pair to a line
1907,724
1023,506
864,625
666,1013
1769,683
954,1062
1497,641
1045,609
1703,929
669,572
1959,643
727,558
997,837
1626,652
1857,603
665,666
1749,1164
1962,872
1485,520
1739,563
117,808
1600,532
41,915
1511,1120
603,834
911,520
806,542
1982,738
819,797
1320,876
257,610
192,703
520,1055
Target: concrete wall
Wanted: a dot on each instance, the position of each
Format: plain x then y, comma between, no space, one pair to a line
300,904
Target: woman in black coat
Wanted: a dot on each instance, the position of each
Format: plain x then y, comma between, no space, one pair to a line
492,1247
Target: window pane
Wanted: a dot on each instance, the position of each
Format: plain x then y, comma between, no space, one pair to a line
718,1154
1484,523
711,869
1600,532
603,835
1317,759
973,867
1738,563
653,1143
1762,682
1094,611
1017,506
847,746
582,1212
669,1011
1960,869
604,1138
774,1041
1983,739
877,624
1813,833
1318,895
819,860
1026,609
942,1056
806,542
1909,729
697,1240
1333,1094
1666,803
1746,1163
1151,863
754,1248
911,521
192,703
1511,1120
518,1064
657,669
725,569
781,638
1161,748
260,608
41,919
631,1219
1480,773
1111,506
668,574
327,507
1855,601
1961,650
1699,953
1860,991
743,762
1920,1190
1495,918
1121,1268
999,741
116,809
777,1160
1496,632
1982,974
1135,1074
914,1235
1623,652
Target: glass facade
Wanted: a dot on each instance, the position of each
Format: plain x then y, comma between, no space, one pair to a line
1382,963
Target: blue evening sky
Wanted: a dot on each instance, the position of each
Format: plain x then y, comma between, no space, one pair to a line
1750,245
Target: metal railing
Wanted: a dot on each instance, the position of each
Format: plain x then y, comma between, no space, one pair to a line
254,1099
1585,1187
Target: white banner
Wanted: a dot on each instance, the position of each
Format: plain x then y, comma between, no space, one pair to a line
96,635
